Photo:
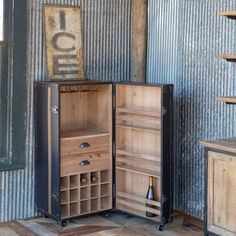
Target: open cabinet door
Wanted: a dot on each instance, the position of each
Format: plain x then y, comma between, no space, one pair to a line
139,150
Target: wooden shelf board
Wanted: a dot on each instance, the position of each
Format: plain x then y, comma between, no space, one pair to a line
138,128
229,14
136,212
133,117
228,100
138,155
138,199
139,111
122,166
227,145
228,57
137,206
85,133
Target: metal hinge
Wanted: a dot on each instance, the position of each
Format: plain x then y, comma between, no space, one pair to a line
164,111
55,109
55,195
114,190
163,199
113,148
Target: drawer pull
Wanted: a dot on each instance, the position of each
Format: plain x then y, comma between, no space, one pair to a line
84,163
84,145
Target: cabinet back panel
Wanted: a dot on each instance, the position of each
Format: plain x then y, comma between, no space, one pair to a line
86,107
136,184
138,141
73,110
145,97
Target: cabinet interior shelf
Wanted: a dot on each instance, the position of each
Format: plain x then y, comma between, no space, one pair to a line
137,206
228,100
139,111
229,14
132,117
138,128
138,155
85,133
138,199
142,171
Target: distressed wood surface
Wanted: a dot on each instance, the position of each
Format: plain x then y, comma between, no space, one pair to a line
139,40
97,225
64,51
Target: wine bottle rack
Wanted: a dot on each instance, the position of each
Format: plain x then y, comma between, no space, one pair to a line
78,198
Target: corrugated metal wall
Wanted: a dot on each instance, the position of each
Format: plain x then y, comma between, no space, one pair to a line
106,29
184,38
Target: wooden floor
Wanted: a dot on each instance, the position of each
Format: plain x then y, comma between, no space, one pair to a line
114,225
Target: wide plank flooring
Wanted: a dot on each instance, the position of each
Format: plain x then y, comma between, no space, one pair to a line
99,225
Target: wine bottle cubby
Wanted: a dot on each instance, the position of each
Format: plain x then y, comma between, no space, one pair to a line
85,197
98,144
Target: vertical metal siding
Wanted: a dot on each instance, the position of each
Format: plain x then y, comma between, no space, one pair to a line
106,31
184,38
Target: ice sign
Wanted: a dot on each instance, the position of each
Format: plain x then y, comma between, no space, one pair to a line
64,49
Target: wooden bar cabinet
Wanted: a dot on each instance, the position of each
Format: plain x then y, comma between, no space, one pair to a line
97,145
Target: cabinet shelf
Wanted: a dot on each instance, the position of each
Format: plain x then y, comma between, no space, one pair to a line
85,133
138,199
132,117
138,206
125,167
229,14
139,111
138,155
228,100
138,128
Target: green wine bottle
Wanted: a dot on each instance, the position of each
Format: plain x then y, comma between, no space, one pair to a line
150,196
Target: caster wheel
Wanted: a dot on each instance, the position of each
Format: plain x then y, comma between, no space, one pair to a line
125,215
171,219
160,227
63,224
106,214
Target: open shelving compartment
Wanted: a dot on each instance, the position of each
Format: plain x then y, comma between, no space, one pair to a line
86,149
138,148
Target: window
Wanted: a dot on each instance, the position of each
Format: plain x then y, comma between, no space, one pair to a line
13,27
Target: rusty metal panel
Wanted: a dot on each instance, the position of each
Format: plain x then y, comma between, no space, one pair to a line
64,51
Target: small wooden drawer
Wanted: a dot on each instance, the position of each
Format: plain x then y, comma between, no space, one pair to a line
79,145
84,163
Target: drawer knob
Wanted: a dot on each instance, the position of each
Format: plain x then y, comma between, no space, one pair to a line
84,145
84,163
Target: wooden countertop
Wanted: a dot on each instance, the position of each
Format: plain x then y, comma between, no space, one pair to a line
227,145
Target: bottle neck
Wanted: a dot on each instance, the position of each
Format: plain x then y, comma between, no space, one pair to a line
150,181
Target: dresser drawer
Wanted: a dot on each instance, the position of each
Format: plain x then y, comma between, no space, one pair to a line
85,163
79,145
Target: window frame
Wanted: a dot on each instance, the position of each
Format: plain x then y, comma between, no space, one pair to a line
15,40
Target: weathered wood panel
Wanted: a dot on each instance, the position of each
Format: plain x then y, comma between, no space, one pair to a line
139,40
221,193
63,38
